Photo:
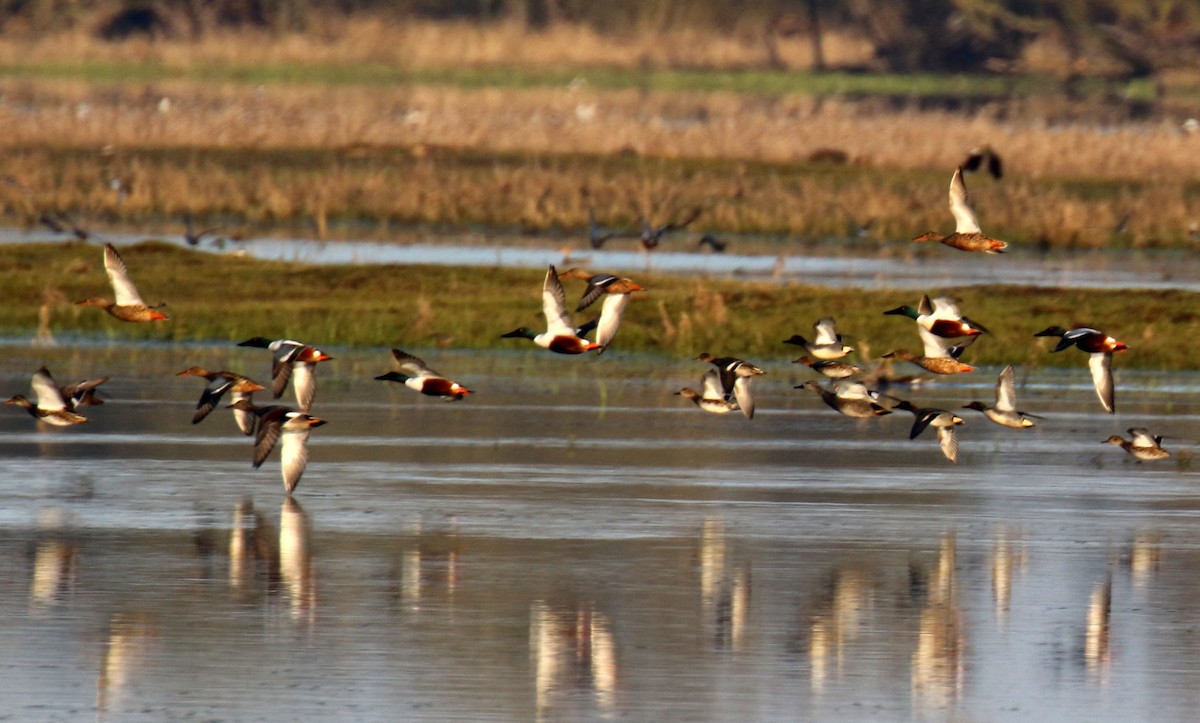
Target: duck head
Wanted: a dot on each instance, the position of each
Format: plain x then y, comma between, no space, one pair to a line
523,332
260,342
903,311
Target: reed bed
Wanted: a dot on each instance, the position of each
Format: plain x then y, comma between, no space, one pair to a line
428,44
371,192
220,299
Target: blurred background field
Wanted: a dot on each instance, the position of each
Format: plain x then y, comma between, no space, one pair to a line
810,120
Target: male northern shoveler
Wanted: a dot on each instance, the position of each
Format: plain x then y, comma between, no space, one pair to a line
416,375
735,376
51,407
967,235
852,400
826,343
940,317
238,386
560,336
615,291
941,420
128,304
292,358
1143,445
276,423
1100,348
712,397
829,368
1005,412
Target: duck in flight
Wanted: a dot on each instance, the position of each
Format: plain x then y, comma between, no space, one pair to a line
967,235
289,428
1100,348
292,359
560,336
127,304
415,374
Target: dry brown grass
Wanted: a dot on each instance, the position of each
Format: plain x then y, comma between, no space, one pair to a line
528,158
428,44
667,125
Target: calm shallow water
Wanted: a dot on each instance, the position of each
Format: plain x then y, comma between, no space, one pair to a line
575,543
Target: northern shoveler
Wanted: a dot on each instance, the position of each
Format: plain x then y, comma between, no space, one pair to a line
852,400
712,397
238,386
829,368
735,376
940,317
82,393
51,407
276,423
598,285
1143,445
560,336
936,359
1005,413
615,291
941,420
128,304
416,375
967,235
292,358
1100,348
826,343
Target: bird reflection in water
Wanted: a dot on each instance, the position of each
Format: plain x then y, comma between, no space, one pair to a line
838,622
1096,654
253,551
1145,555
574,661
55,562
937,662
724,587
1008,559
295,562
429,564
129,642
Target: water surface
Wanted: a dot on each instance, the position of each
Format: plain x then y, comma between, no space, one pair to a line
573,542
839,264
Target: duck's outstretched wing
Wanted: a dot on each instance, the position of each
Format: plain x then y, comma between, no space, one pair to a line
610,319
1101,365
49,397
554,305
826,332
745,400
964,217
125,293
1006,390
411,365
949,441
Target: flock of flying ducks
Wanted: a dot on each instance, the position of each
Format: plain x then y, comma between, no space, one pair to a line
726,387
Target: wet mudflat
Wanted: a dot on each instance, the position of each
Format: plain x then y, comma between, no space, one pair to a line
573,542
